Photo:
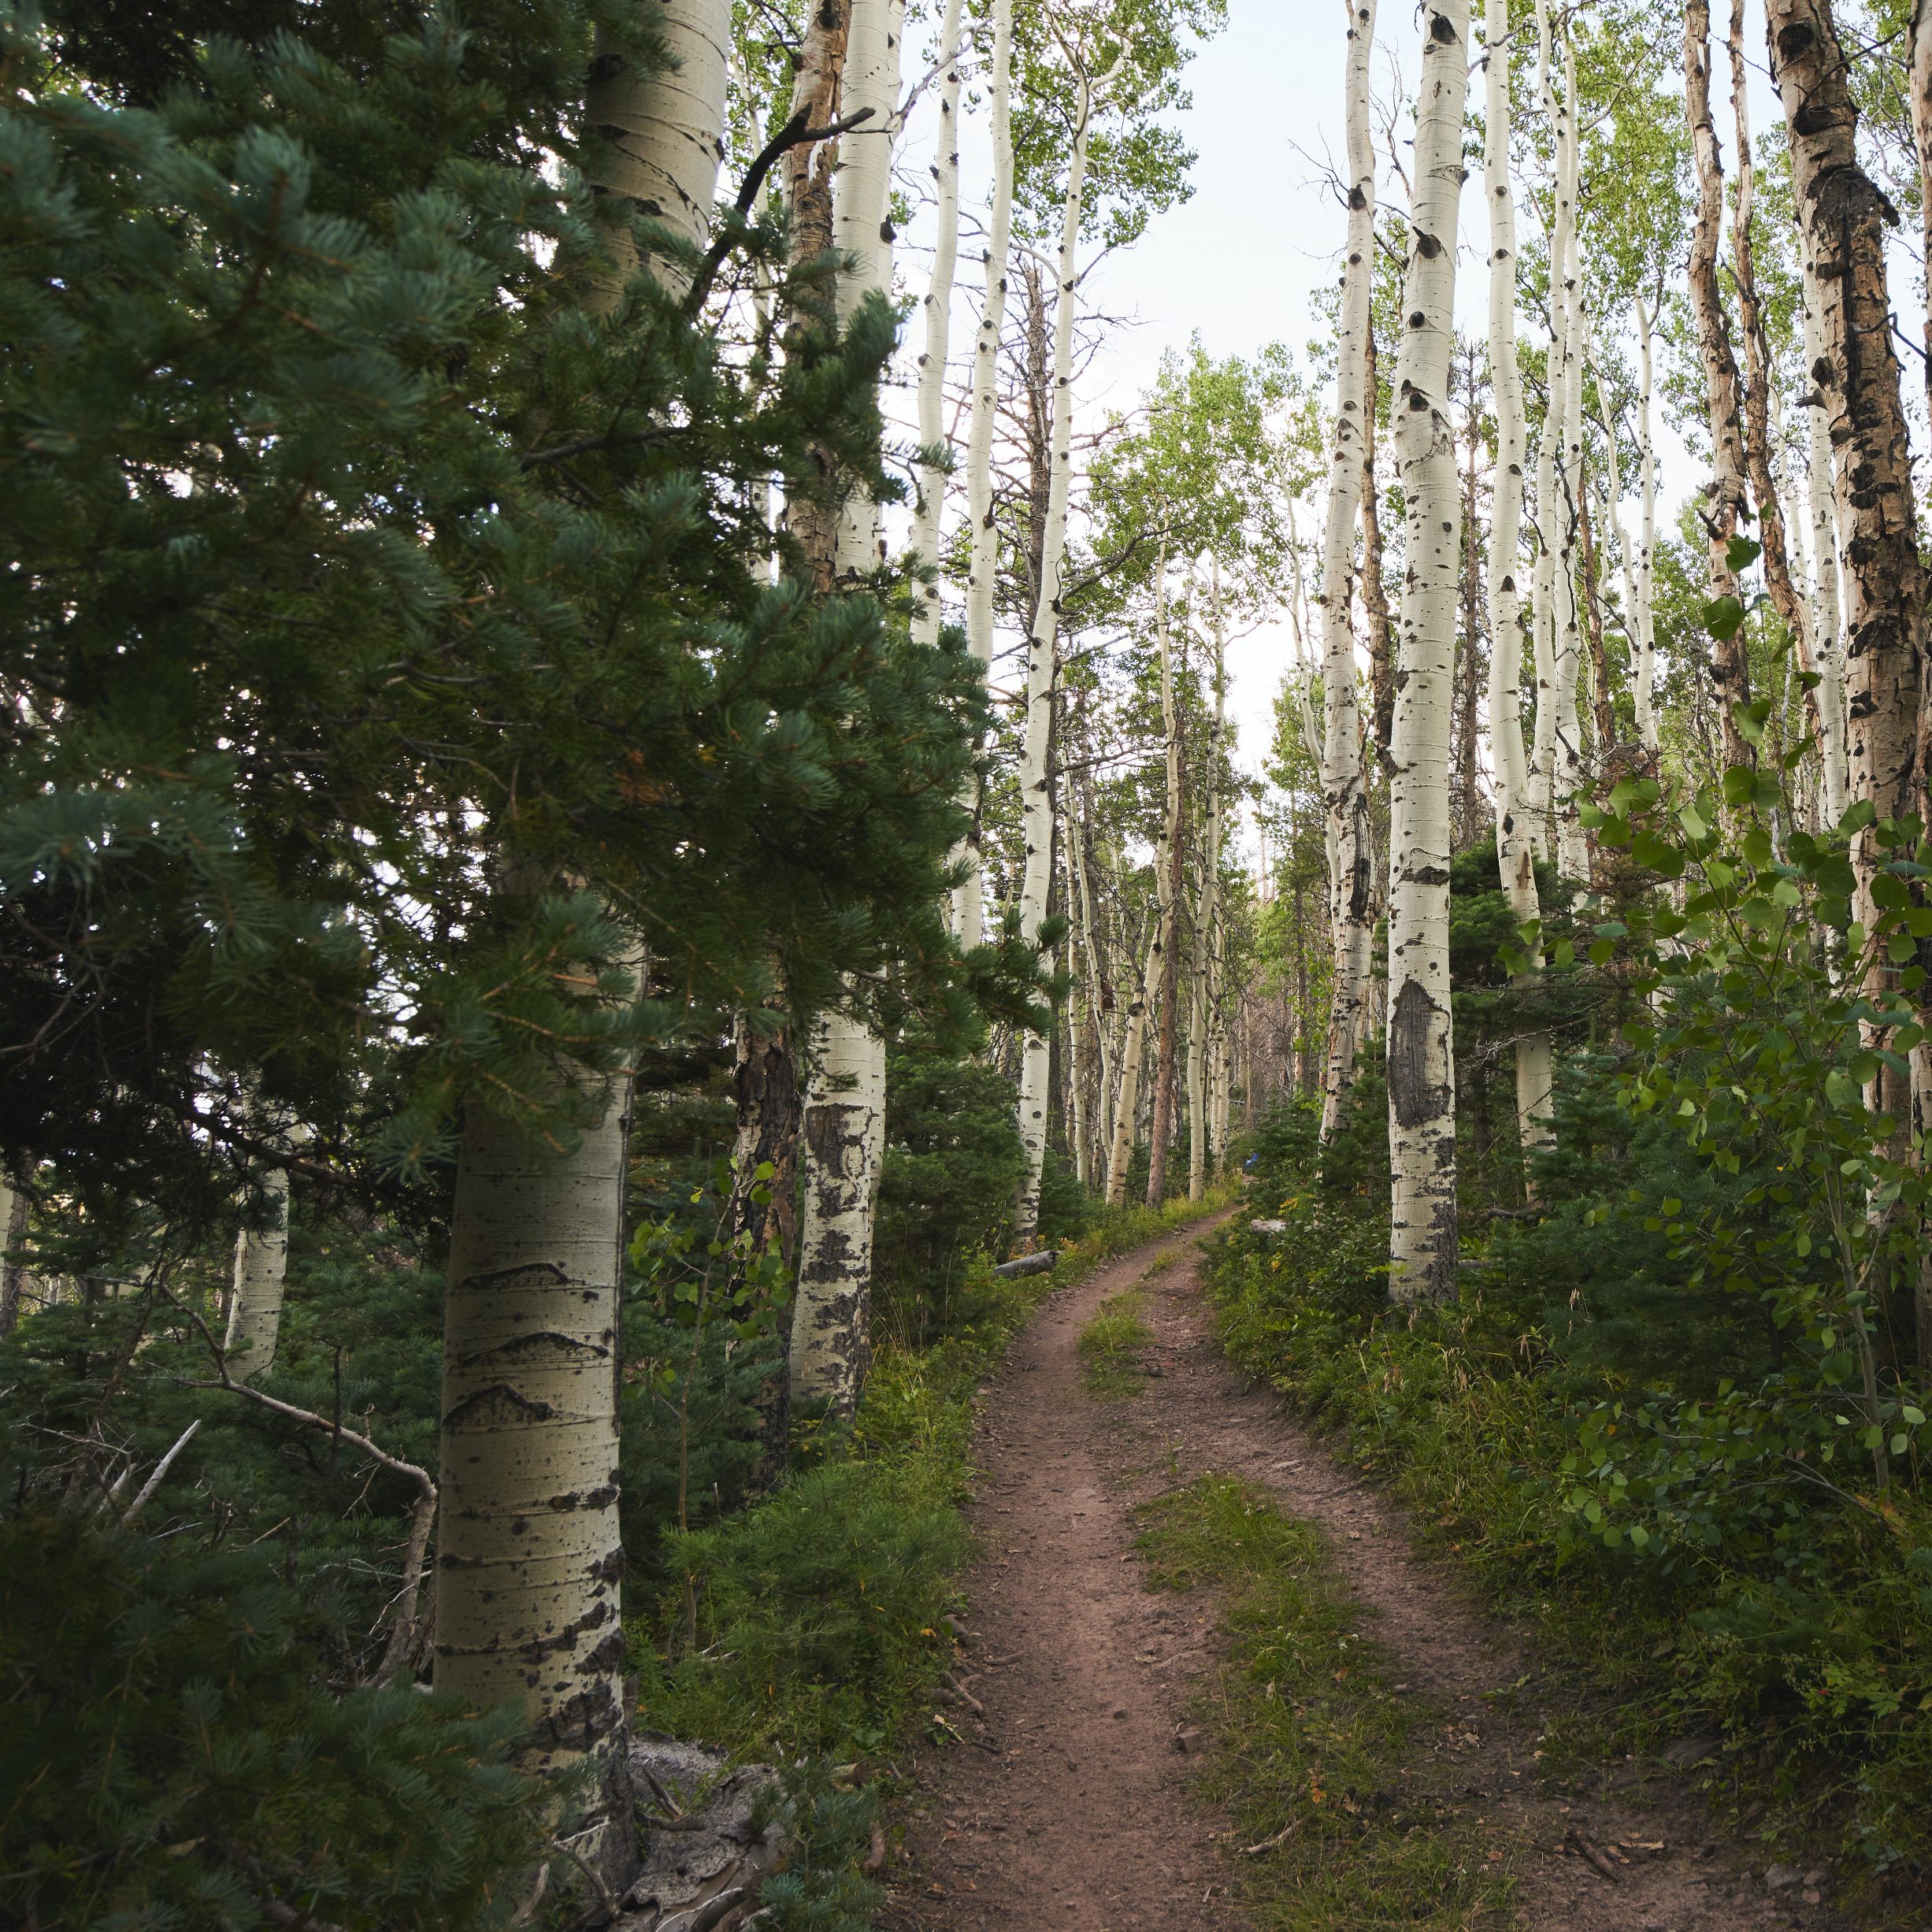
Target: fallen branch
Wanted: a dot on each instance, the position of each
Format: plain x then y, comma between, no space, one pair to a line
1041,1263
1268,1844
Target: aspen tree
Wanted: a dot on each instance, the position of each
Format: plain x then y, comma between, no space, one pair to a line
1827,638
1845,216
529,1561
1042,647
260,1275
1791,608
1543,753
1567,776
1134,1051
1920,91
1421,1083
1514,853
843,1131
1168,882
969,916
1344,778
938,306
663,129
1643,618
1729,671
14,1206
1200,1049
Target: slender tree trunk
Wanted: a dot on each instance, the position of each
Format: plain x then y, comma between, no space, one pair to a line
1470,671
529,1564
1377,619
770,1107
1162,1127
1543,757
260,1274
1042,667
1199,1048
1643,621
844,1117
1921,95
968,915
1827,636
1730,669
661,131
812,516
1757,411
14,1205
1845,216
1568,775
1133,1052
1344,757
1595,568
1421,1081
931,477
1514,853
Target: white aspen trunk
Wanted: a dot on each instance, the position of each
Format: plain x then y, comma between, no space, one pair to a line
260,1274
14,1206
843,1139
1076,1087
861,199
1567,778
1422,1082
1827,636
1514,851
1613,495
1549,443
843,1135
969,905
529,1564
1200,1050
1042,657
1090,948
663,129
1644,636
1134,1051
932,478
1344,778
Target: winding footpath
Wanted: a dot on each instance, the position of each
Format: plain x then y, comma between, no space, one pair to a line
1066,1802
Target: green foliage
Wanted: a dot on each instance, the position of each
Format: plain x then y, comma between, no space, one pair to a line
1111,1343
176,1755
1321,1738
953,1162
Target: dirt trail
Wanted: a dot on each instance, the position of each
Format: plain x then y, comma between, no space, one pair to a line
1069,1805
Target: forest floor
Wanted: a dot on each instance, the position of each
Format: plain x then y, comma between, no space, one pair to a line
1115,1752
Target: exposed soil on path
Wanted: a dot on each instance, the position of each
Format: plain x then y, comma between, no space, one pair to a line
1069,1805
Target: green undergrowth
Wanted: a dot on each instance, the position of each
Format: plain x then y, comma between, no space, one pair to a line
1111,1343
809,1629
1799,1669
1315,1742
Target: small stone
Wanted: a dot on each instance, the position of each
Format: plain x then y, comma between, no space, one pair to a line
1780,1877
1812,1895
1120,1710
1818,1877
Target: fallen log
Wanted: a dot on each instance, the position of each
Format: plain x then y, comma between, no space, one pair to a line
1030,1264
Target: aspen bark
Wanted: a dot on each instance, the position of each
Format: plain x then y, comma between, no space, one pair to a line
844,1142
844,1130
1921,95
931,502
1036,803
1421,1083
661,129
1543,752
969,913
861,229
1200,1049
1344,757
529,1565
260,1274
1827,636
1168,886
1514,853
1845,216
1567,775
1644,633
1786,601
1375,614
1134,1051
14,1205
1729,671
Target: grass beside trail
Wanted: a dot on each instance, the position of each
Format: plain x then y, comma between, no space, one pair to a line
810,1628
1110,1346
1315,1744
